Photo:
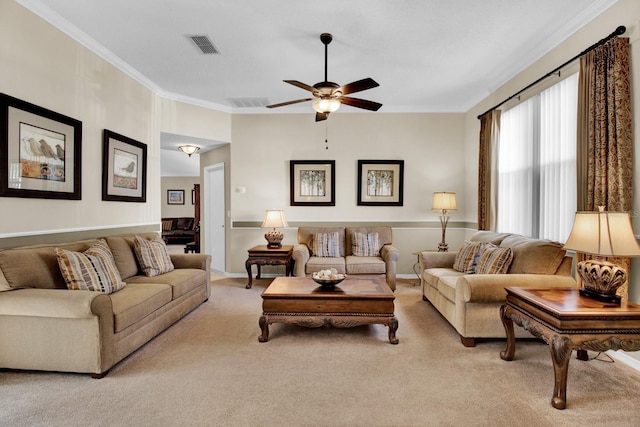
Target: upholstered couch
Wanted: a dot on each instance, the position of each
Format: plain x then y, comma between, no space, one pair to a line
381,260
178,230
471,301
46,326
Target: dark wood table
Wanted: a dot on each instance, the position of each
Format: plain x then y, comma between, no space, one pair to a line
568,321
263,255
354,302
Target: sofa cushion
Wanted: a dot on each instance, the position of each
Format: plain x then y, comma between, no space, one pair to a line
489,237
167,224
385,236
533,256
91,270
433,275
365,244
152,256
467,257
325,263
181,280
447,287
136,301
494,260
36,266
122,250
326,244
365,265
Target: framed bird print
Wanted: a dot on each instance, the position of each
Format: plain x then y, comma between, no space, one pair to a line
40,152
124,168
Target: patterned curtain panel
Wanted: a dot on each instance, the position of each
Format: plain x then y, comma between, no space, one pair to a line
605,144
489,136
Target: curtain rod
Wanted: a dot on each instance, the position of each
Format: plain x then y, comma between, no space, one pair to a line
618,32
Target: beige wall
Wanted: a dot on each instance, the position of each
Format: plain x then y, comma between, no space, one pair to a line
178,183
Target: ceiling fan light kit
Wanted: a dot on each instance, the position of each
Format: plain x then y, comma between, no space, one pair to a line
328,96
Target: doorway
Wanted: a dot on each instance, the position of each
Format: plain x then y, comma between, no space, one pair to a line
214,216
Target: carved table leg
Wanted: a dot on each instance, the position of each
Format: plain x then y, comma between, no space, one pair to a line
247,265
393,327
561,348
258,275
510,352
264,327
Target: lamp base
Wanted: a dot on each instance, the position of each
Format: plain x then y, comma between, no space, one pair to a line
600,297
443,247
274,239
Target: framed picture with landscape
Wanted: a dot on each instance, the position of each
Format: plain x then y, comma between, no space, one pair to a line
124,168
175,197
380,182
40,151
312,182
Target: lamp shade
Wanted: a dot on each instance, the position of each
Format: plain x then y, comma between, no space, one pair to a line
326,105
189,149
603,233
444,201
274,219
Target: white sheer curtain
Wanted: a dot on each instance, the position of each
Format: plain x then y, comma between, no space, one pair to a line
537,164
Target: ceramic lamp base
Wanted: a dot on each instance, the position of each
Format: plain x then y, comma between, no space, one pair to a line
274,238
601,279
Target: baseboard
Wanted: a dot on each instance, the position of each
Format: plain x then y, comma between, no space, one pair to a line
625,358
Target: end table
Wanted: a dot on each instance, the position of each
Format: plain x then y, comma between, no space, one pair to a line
262,255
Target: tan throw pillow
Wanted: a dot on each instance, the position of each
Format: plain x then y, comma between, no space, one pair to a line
326,244
494,260
152,256
91,270
467,257
365,244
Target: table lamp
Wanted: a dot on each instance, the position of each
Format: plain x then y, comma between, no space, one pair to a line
274,219
602,234
444,202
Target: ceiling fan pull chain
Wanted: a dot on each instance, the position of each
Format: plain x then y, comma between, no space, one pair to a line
326,134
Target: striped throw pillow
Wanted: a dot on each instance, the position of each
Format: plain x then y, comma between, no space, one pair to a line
326,244
91,270
494,260
152,256
365,244
467,257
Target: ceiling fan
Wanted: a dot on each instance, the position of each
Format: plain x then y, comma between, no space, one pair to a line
328,96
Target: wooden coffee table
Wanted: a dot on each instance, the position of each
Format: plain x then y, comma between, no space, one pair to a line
568,321
301,301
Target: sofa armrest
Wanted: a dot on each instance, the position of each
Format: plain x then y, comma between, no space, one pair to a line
198,261
389,253
57,303
300,256
436,260
483,288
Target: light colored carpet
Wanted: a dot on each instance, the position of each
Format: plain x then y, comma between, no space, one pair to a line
210,370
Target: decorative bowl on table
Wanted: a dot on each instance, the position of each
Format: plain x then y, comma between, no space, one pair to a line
327,279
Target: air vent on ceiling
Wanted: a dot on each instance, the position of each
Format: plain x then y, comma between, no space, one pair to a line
204,44
249,102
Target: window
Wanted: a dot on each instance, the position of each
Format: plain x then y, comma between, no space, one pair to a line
536,191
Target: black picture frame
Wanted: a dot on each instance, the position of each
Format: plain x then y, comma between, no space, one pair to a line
40,152
175,197
380,182
312,182
124,168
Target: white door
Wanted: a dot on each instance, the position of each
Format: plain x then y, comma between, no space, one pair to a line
214,216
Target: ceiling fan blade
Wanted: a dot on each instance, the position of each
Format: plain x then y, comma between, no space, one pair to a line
321,116
301,85
360,103
358,86
282,104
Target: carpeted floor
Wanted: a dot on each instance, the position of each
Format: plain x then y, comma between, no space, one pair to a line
210,370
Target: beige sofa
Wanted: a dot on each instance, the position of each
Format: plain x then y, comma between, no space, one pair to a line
383,263
45,326
471,302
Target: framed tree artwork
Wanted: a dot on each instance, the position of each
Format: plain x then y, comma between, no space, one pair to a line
312,182
380,182
40,152
124,168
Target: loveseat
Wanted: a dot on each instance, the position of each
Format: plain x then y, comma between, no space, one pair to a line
470,298
46,326
177,231
322,248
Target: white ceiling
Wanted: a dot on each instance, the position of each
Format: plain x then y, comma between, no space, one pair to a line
427,55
